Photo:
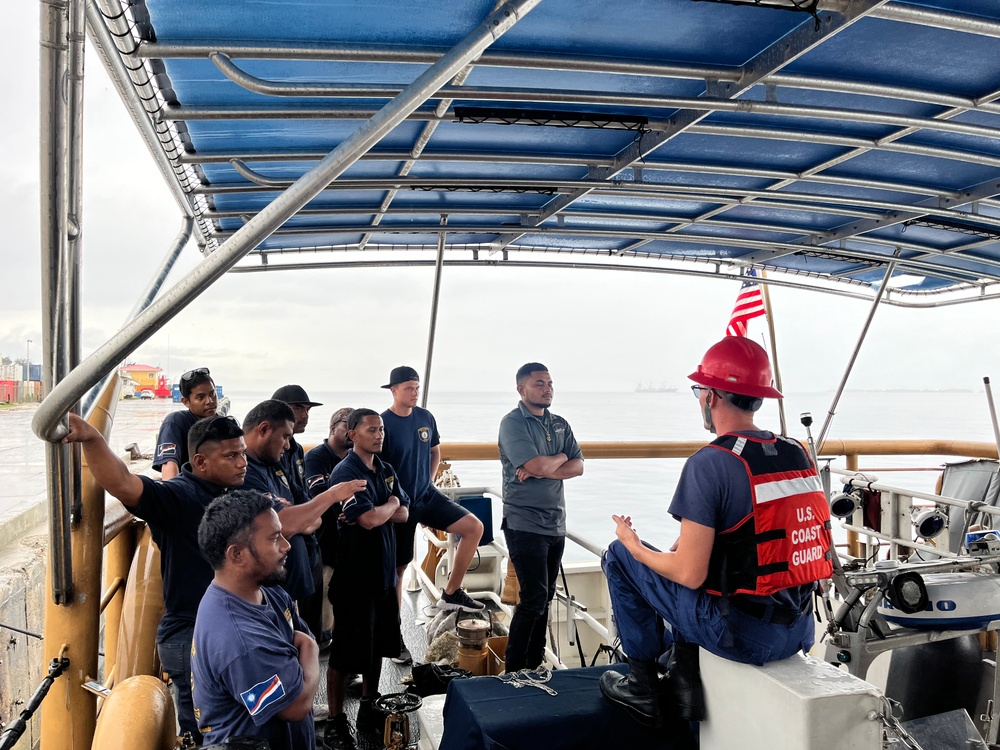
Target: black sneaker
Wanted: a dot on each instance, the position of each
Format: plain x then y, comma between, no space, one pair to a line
370,719
338,735
460,600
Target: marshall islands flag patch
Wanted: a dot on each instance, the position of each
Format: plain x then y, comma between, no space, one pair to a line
263,694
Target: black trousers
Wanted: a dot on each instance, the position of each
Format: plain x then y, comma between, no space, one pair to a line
536,558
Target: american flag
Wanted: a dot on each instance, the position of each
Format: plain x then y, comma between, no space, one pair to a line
749,305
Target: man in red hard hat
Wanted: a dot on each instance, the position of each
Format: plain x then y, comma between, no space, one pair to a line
755,537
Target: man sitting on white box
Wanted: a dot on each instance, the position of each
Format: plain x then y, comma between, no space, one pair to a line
755,537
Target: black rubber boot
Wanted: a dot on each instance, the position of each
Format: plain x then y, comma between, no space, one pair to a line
636,692
682,685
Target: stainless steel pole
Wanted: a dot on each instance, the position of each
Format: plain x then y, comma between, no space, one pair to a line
434,312
854,355
47,420
61,140
159,277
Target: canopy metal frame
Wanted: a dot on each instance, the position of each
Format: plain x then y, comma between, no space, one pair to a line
762,91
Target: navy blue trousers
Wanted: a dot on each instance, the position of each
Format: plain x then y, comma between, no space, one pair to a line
642,600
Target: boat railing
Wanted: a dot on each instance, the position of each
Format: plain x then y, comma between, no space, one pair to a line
896,525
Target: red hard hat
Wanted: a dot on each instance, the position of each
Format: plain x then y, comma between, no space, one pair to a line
737,365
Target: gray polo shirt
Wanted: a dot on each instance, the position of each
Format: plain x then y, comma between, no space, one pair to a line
536,505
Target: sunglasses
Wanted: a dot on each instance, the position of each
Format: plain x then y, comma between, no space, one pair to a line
220,428
191,374
697,389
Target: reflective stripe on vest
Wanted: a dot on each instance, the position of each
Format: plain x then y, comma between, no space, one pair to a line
785,540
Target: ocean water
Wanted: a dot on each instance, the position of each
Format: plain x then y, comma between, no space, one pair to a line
641,488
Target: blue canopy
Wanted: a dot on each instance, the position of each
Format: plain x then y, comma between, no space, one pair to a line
819,146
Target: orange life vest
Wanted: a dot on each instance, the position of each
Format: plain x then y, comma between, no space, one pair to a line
785,540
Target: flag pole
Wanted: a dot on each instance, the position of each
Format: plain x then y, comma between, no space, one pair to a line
766,292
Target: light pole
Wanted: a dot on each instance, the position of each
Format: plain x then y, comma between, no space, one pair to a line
27,361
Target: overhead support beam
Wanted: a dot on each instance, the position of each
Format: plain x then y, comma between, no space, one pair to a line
834,204
939,19
725,130
47,422
393,54
725,246
695,109
590,229
901,298
286,155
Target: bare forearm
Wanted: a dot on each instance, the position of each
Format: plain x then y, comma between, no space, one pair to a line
297,519
169,470
380,514
111,473
309,661
435,462
401,515
568,470
543,466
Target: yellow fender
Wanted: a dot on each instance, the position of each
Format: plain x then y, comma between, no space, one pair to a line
138,715
141,612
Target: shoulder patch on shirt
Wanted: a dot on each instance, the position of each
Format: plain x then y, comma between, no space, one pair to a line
424,433
167,449
263,694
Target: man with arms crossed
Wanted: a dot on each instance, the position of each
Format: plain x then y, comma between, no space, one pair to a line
173,510
199,396
254,666
748,496
363,590
537,452
412,446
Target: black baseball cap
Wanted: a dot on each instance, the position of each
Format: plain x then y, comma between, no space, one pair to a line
293,394
401,374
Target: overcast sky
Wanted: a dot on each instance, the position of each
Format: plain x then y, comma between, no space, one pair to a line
343,330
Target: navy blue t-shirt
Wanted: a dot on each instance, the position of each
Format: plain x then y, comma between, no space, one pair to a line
173,510
298,579
319,463
407,446
291,472
714,491
172,440
367,557
245,670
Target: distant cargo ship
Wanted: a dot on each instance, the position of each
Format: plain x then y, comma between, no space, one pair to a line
655,388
